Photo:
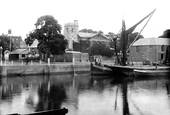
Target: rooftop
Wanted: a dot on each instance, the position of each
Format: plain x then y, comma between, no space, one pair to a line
152,41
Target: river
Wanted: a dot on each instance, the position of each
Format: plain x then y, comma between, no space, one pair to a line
84,94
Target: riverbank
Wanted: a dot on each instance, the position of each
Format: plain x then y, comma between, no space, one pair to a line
41,69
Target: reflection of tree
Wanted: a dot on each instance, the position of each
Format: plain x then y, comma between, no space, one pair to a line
168,87
7,91
123,81
50,97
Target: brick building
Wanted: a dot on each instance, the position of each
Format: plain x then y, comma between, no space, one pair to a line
152,49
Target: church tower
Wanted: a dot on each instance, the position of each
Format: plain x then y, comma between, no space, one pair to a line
70,33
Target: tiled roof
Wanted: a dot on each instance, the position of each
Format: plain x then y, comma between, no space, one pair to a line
20,51
152,41
89,35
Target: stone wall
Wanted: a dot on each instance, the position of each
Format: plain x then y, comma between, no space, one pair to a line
62,68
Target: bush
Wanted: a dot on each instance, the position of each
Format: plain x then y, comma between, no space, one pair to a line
100,49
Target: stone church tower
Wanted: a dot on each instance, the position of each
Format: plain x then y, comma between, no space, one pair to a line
70,33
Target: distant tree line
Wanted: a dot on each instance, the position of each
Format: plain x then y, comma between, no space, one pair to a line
166,34
90,31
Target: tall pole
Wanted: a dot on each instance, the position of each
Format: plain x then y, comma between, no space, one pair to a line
1,54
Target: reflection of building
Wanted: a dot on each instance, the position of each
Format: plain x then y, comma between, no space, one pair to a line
152,49
80,41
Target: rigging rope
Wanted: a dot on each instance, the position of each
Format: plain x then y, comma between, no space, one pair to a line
139,32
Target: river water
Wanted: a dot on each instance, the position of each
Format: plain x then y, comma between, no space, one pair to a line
83,94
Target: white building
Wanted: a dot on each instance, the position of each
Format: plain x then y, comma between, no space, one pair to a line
70,33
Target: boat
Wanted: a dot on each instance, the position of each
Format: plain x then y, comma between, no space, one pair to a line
123,68
152,72
62,111
100,70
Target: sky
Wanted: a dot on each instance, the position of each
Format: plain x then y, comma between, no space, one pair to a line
106,15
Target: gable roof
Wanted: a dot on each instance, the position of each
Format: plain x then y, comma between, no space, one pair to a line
90,35
35,43
152,41
20,51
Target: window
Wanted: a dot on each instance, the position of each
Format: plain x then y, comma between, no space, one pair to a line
67,30
137,49
72,30
150,46
162,48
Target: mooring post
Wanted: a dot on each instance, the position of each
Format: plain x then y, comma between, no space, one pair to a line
48,61
22,62
5,62
40,62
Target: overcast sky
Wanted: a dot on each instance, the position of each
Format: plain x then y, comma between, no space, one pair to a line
106,15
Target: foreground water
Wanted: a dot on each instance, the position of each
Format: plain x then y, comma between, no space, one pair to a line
83,94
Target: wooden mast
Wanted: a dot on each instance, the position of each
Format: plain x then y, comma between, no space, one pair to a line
124,37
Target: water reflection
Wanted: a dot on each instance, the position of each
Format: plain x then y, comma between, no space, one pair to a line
84,94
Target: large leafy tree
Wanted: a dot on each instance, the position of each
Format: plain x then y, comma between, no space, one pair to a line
5,43
29,39
114,43
100,49
48,33
166,34
132,37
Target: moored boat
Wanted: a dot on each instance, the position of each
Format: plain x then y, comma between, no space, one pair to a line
100,70
151,72
121,70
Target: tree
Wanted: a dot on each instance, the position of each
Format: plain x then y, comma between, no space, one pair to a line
5,43
132,37
48,33
166,34
114,43
100,49
88,31
29,39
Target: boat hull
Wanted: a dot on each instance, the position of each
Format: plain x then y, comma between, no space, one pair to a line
151,73
100,70
121,70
